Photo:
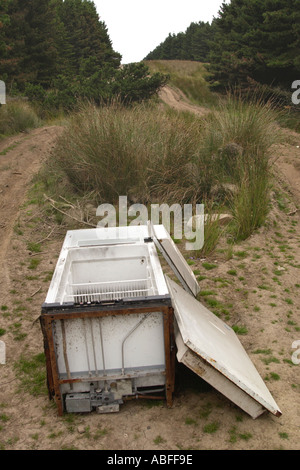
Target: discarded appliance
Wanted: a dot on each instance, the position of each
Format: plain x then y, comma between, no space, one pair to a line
112,323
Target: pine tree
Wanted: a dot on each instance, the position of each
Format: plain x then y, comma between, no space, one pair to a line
193,44
40,41
256,40
30,36
4,21
58,50
86,39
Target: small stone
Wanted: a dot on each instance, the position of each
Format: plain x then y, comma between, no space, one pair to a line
81,429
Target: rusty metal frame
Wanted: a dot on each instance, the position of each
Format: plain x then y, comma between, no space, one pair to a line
49,316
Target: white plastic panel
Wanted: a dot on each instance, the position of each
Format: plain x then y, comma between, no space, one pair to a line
208,373
216,343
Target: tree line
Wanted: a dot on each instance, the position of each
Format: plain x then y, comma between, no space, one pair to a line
193,44
249,42
56,51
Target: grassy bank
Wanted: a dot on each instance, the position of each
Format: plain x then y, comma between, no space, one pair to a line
189,77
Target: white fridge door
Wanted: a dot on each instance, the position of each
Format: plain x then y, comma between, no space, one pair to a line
210,348
174,258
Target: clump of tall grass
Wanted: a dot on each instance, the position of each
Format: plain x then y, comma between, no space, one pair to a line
153,156
250,205
17,116
249,123
239,137
138,152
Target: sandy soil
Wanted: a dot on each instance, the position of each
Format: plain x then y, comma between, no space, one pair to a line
263,298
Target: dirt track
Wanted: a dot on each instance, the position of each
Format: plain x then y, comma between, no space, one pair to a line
178,101
31,422
21,158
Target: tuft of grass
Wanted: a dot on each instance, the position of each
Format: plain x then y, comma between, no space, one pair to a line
273,376
211,428
34,247
211,302
268,360
205,410
209,266
158,440
262,351
205,293
245,436
190,421
232,272
4,417
34,262
234,435
32,374
240,330
241,254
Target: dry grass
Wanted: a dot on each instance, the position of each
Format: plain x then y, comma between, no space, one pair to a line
168,157
17,116
137,152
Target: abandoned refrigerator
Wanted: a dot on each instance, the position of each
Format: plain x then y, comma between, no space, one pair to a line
108,321
113,325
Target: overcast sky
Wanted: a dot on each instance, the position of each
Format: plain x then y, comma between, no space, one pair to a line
136,27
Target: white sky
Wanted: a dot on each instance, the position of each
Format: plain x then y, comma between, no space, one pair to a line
136,27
